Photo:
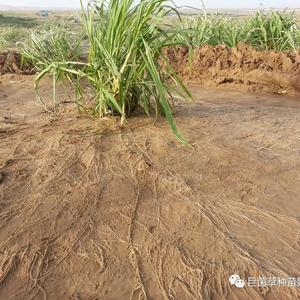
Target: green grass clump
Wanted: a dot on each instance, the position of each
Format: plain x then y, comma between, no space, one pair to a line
10,37
277,31
123,69
273,31
53,50
215,31
51,45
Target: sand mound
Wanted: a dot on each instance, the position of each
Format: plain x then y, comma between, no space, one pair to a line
240,67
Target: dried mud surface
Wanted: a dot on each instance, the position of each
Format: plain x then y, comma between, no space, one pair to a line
89,210
242,67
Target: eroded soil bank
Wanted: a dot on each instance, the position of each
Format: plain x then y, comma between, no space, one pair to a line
89,210
242,67
11,62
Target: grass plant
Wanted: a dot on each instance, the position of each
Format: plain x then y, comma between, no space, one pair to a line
277,31
53,51
123,69
10,37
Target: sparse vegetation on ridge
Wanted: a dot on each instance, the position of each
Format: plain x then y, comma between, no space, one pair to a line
264,31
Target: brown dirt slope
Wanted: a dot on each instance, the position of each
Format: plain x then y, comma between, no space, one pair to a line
91,211
242,67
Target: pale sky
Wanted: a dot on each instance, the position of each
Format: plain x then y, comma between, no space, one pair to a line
194,3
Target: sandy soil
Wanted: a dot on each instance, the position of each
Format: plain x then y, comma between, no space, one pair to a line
89,210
